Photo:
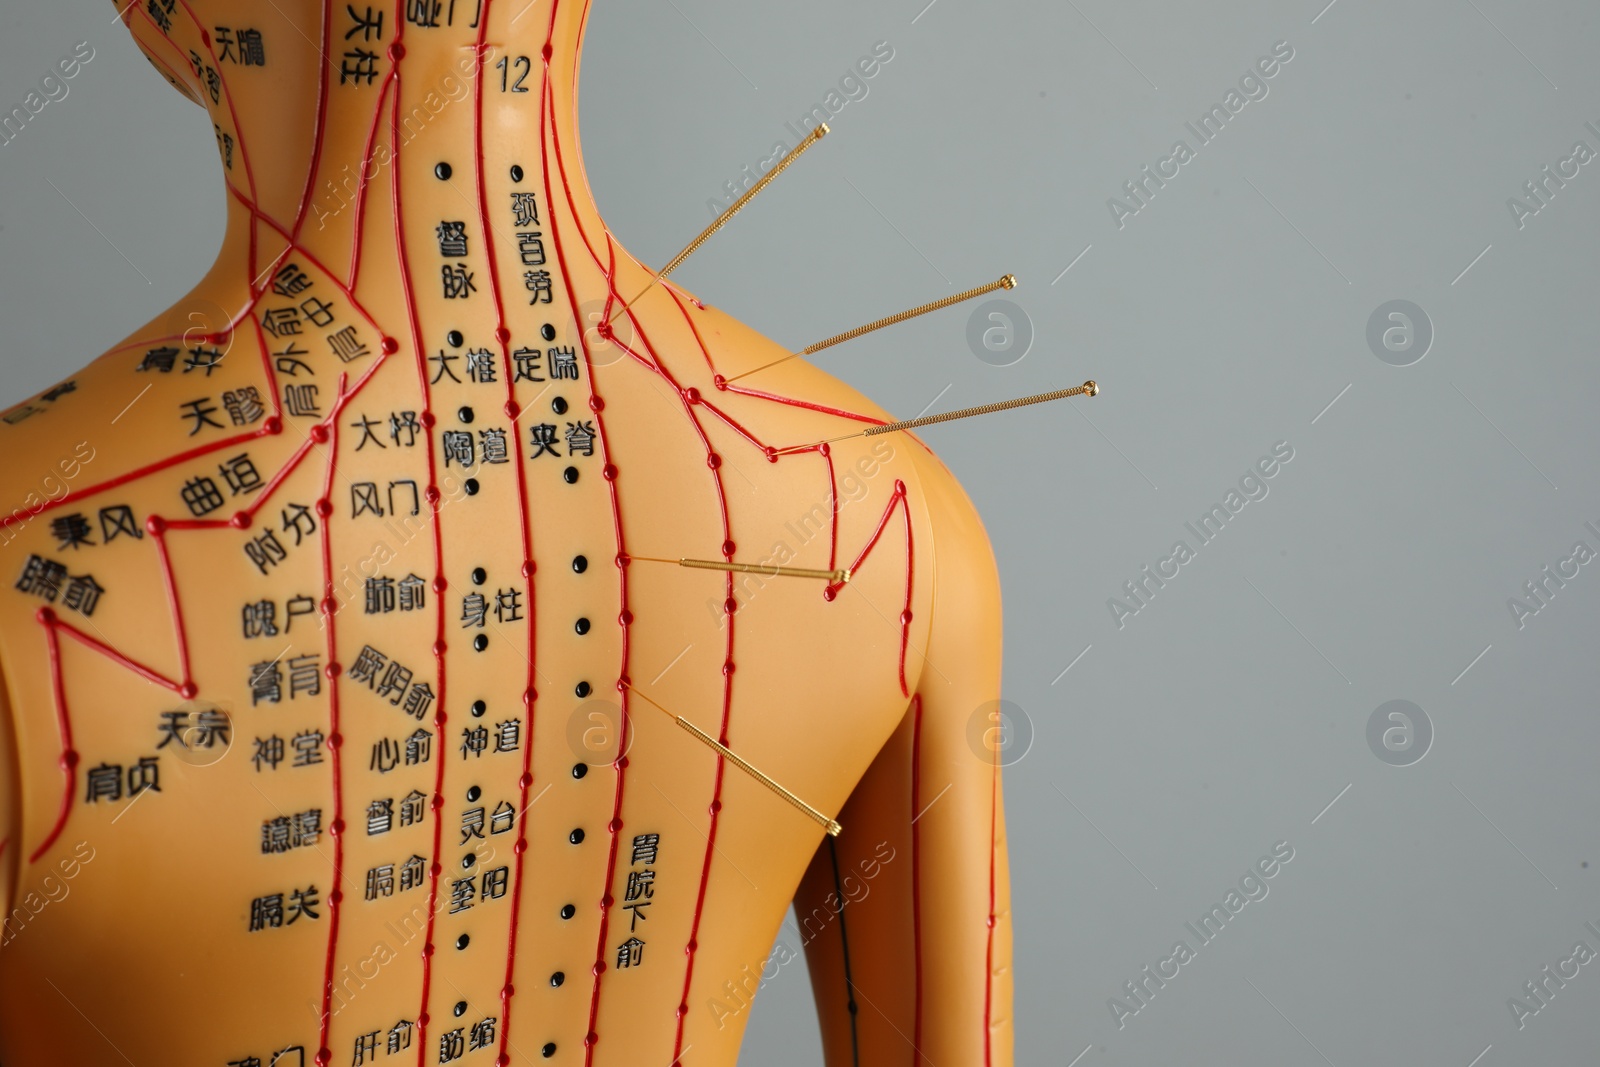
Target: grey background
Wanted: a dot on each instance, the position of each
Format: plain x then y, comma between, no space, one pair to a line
1224,317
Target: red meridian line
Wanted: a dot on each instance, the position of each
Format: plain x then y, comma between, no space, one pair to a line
614,339
734,424
137,473
808,405
322,119
525,781
988,971
898,498
236,318
69,758
198,524
311,257
283,472
336,828
259,291
205,39
655,364
341,402
160,538
916,864
362,182
438,563
727,695
147,673
678,296
833,498
554,139
162,35
883,520
905,612
266,358
547,113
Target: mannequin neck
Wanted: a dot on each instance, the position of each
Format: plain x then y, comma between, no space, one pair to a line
430,91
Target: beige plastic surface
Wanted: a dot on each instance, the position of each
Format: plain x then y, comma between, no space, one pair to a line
171,898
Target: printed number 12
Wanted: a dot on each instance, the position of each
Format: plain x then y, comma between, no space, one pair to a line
505,72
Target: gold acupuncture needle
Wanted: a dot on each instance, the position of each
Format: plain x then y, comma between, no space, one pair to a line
722,220
1008,282
816,816
1088,388
841,575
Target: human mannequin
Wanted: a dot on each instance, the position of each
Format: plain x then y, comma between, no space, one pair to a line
224,616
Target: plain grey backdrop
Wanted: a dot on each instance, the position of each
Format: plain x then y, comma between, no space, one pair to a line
1230,312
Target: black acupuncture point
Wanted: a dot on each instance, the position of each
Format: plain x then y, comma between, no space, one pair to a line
581,627
570,475
580,564
478,708
548,332
455,338
471,486
557,978
579,770
568,911
463,941
559,405
443,172
479,576
461,1008
576,837
583,690
465,414
516,173
549,1049
473,794
480,642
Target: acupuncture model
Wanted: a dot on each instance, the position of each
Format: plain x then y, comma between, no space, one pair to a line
441,637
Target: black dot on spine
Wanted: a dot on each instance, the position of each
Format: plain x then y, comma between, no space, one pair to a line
473,794
516,173
576,837
468,861
463,941
571,475
583,690
581,626
478,708
455,338
556,979
580,564
559,405
479,576
465,414
461,1008
548,332
443,172
471,486
568,911
579,770
480,642
549,1049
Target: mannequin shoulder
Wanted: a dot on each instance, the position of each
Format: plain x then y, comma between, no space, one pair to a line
133,408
